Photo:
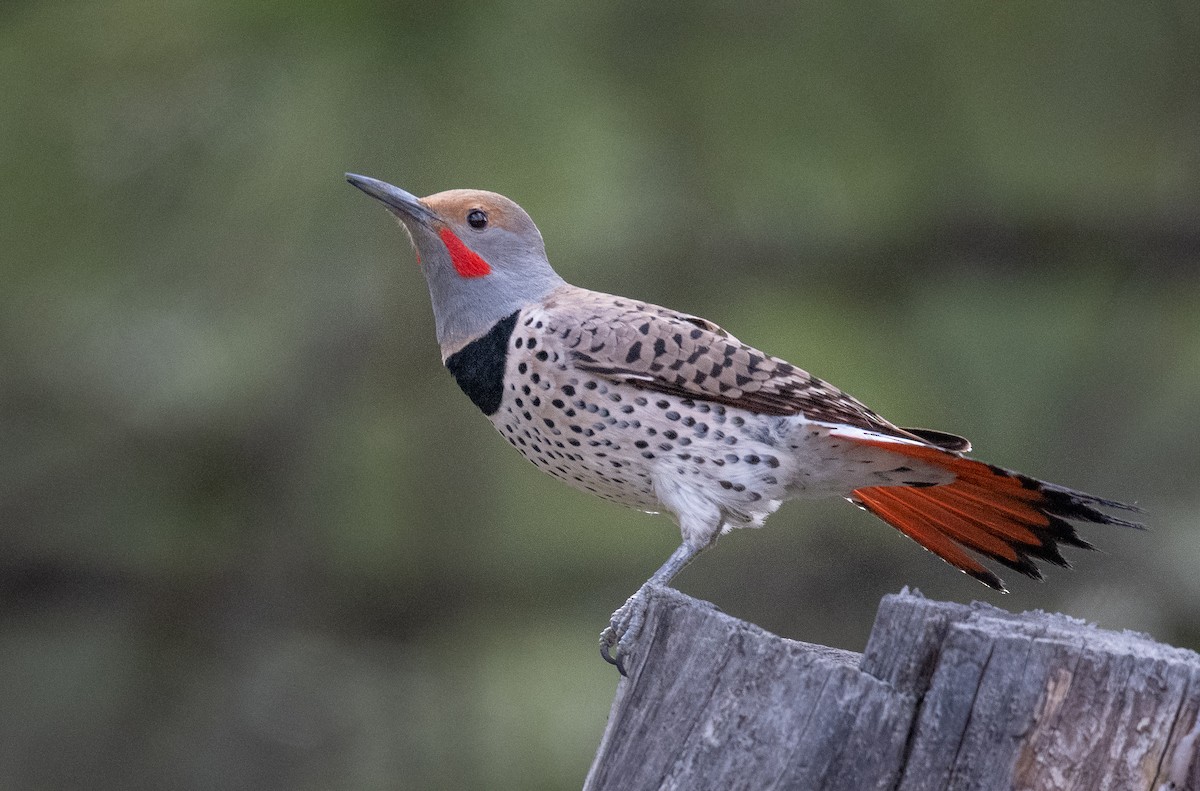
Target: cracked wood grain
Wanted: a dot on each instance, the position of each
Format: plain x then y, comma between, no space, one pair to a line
946,697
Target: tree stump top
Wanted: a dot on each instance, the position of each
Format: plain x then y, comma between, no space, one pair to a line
946,696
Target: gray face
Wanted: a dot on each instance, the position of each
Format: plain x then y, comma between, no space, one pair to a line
482,256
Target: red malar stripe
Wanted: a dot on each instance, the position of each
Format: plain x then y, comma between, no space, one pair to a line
466,261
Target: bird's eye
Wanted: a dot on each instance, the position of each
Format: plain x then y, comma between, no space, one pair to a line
477,218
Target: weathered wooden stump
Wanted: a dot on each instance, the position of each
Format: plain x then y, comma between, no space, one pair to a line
945,697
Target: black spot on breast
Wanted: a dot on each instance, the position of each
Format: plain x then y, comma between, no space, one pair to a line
479,366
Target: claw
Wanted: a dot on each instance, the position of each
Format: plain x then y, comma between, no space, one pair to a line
623,629
610,638
608,641
626,623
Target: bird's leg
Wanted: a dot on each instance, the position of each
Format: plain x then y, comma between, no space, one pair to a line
626,622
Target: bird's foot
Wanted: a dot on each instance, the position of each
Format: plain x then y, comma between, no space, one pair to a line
617,640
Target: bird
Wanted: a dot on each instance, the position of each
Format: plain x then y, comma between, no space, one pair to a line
663,411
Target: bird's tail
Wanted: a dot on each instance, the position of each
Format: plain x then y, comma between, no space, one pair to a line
996,513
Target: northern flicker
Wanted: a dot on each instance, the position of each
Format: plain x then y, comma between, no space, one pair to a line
664,411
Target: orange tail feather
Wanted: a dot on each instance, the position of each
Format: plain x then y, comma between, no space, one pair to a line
996,513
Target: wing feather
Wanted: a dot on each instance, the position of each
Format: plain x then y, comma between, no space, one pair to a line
658,349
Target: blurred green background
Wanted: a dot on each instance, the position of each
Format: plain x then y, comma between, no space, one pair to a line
254,538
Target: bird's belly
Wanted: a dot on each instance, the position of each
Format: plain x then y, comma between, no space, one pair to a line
583,444
616,440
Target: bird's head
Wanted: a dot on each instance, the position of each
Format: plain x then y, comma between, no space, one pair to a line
482,256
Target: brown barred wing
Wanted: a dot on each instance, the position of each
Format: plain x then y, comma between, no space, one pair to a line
669,352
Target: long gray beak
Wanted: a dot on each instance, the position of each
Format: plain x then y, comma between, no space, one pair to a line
403,204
